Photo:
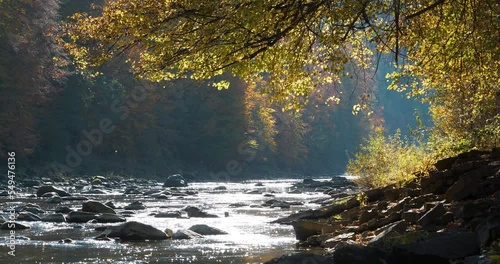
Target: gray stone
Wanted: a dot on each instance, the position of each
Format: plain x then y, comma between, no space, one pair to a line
27,216
110,218
45,189
168,215
97,207
80,217
135,231
56,218
175,180
186,234
207,230
13,226
135,206
432,215
196,212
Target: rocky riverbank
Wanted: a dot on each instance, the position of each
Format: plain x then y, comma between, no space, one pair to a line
450,216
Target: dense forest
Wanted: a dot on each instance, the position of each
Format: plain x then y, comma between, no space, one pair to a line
60,120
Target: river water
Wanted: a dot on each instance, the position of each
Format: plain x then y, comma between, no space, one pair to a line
251,237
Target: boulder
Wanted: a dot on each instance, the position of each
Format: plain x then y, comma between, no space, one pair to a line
35,210
27,216
304,229
186,234
56,218
135,206
110,218
80,217
206,230
305,258
13,226
62,209
432,215
197,212
168,215
220,188
175,180
356,254
97,207
489,230
135,231
457,245
46,189
53,200
394,229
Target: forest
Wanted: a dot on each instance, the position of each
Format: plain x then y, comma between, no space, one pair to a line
51,108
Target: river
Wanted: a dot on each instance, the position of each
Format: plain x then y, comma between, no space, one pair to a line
251,237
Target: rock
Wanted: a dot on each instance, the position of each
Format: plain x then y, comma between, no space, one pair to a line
366,215
254,192
196,212
45,189
432,215
66,241
110,218
62,209
304,229
238,205
110,204
489,230
168,215
411,217
56,218
13,226
135,206
445,164
269,195
478,259
394,229
259,184
186,234
206,230
475,208
135,231
162,196
53,200
280,204
175,180
334,241
356,254
448,217
302,258
80,217
74,198
437,182
50,194
220,188
35,210
447,246
27,216
97,207
95,191
132,190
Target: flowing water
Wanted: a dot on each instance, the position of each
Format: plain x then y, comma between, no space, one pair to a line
251,237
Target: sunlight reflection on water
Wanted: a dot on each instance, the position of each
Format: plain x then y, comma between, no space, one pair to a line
251,238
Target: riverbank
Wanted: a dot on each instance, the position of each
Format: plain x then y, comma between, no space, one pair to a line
451,216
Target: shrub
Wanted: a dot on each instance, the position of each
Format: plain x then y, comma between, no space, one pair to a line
385,160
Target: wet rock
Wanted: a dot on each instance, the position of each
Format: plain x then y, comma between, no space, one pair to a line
168,215
45,189
135,231
432,215
206,230
110,204
135,206
220,188
162,196
27,216
62,209
74,198
56,218
97,207
53,200
185,234
280,204
50,194
132,190
253,192
110,218
259,184
304,258
197,212
269,195
13,226
444,245
95,191
175,180
80,217
66,241
238,205
35,210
